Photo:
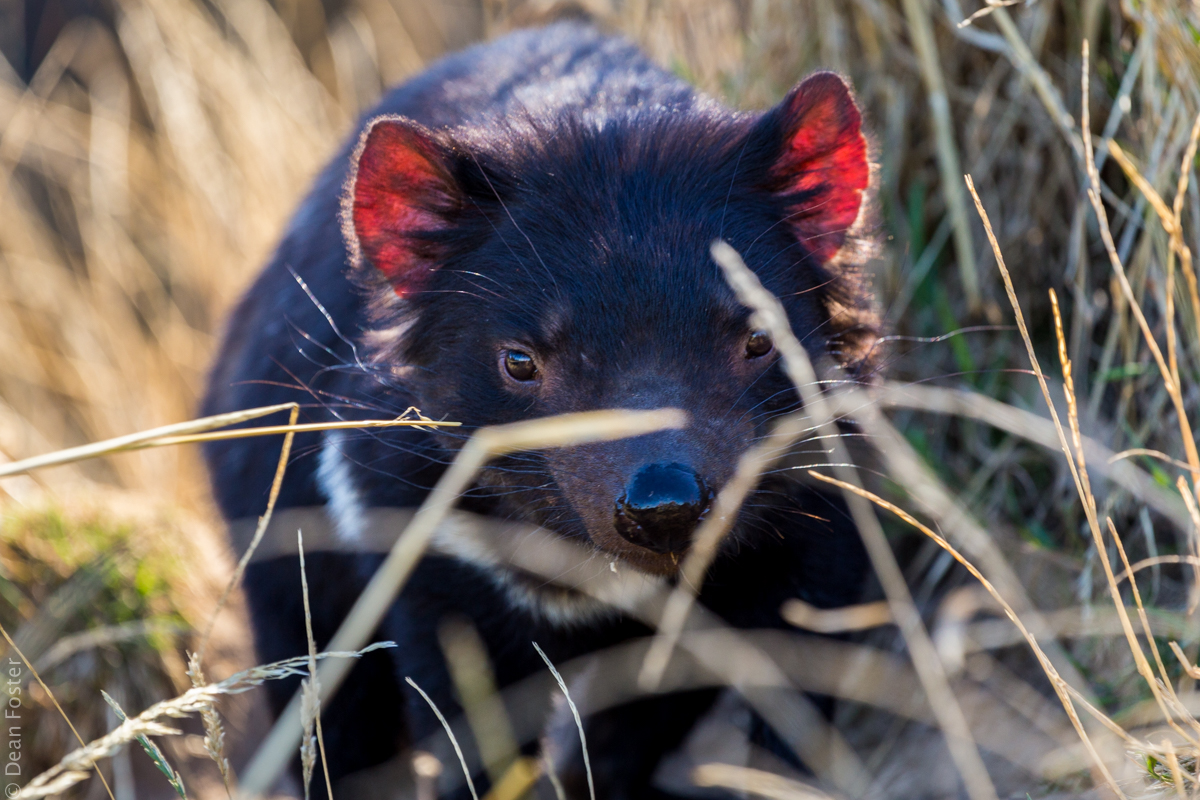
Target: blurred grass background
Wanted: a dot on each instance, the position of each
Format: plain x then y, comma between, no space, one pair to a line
151,151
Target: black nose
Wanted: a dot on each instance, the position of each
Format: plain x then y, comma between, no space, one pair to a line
661,506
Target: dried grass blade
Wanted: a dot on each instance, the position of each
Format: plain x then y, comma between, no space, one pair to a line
1192,670
1137,179
921,29
1024,60
1176,771
1172,387
453,740
312,685
1194,537
1185,253
548,769
214,730
136,440
309,709
755,782
516,782
1020,319
587,762
1090,504
54,700
1193,512
1157,561
475,683
1167,686
836,620
987,8
308,427
1156,454
263,522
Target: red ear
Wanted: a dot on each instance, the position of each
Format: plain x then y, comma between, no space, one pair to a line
822,160
397,196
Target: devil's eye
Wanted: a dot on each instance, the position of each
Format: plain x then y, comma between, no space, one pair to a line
519,365
759,344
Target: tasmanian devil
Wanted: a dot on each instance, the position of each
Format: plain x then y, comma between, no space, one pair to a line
520,231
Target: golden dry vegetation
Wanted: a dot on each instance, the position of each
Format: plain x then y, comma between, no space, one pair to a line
151,159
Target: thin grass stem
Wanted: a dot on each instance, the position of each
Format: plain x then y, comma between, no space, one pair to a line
453,739
587,761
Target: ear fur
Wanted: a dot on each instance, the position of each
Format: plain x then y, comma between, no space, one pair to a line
820,165
396,201
812,155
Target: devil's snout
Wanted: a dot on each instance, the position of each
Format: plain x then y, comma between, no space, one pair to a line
661,506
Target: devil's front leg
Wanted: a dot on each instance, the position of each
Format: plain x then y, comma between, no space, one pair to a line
625,744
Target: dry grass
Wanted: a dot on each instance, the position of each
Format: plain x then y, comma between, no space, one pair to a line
150,165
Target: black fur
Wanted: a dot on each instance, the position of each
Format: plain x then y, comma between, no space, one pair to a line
590,183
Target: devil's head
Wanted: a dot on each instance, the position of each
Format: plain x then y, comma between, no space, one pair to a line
544,266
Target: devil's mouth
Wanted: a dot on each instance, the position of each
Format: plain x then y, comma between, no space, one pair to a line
555,575
662,534
624,554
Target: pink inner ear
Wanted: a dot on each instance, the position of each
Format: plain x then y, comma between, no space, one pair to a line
398,188
825,154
